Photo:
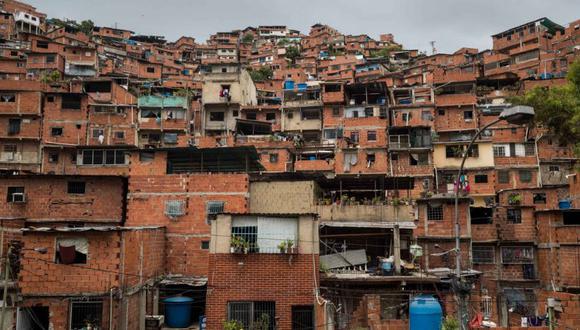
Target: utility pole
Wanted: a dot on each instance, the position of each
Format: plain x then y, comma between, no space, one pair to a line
5,290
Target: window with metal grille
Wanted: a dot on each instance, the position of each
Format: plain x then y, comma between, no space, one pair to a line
76,187
56,131
539,198
303,317
86,314
103,157
554,168
174,208
15,194
215,207
517,255
98,132
503,176
354,136
529,149
253,314
434,212
371,135
525,176
499,151
514,215
483,254
468,115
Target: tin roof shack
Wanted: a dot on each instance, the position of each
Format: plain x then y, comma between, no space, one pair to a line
246,250
20,125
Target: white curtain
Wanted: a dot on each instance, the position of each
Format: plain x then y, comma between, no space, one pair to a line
273,231
80,244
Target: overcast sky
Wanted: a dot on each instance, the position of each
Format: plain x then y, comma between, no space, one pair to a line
451,23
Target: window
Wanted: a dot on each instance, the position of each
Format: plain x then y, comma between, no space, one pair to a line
483,254
468,115
50,58
530,149
72,250
150,69
554,168
426,115
270,116
14,126
434,212
481,178
170,138
98,132
42,44
371,158
525,176
503,176
204,245
571,217
274,158
354,136
213,208
371,136
481,215
235,113
499,151
217,116
56,131
336,111
71,101
418,159
264,234
517,255
174,208
7,98
369,112
15,195
146,156
50,99
103,157
86,312
120,135
514,215
441,112
251,115
303,317
457,151
310,114
253,314
539,198
76,187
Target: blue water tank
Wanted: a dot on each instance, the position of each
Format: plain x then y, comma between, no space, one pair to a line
425,313
178,312
289,85
564,204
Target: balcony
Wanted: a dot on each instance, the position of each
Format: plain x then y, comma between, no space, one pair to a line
305,98
405,141
153,101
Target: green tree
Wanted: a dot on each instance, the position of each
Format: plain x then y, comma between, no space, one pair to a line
262,74
248,38
292,53
558,108
86,27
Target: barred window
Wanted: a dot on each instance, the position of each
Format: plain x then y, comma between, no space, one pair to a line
499,151
525,176
514,215
174,208
253,314
503,176
529,149
517,255
483,254
434,212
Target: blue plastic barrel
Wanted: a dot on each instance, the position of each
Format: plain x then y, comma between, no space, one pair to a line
564,204
302,87
289,85
178,312
425,313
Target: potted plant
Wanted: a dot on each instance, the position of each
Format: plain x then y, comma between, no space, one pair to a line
282,247
238,245
514,199
343,199
289,246
376,200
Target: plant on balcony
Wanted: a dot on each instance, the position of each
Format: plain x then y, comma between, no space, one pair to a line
233,325
286,246
377,201
395,202
282,247
239,245
514,199
343,199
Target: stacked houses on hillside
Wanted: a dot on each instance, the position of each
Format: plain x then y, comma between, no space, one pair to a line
281,180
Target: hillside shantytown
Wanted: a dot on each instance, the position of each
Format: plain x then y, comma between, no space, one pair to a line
269,178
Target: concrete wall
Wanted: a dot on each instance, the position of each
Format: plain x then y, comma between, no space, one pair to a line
485,158
242,88
280,197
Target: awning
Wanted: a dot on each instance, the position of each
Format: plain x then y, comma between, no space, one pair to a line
184,280
369,224
85,229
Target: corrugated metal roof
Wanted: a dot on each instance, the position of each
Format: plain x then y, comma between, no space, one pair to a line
369,224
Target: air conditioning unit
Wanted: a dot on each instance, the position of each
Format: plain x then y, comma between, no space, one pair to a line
18,198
